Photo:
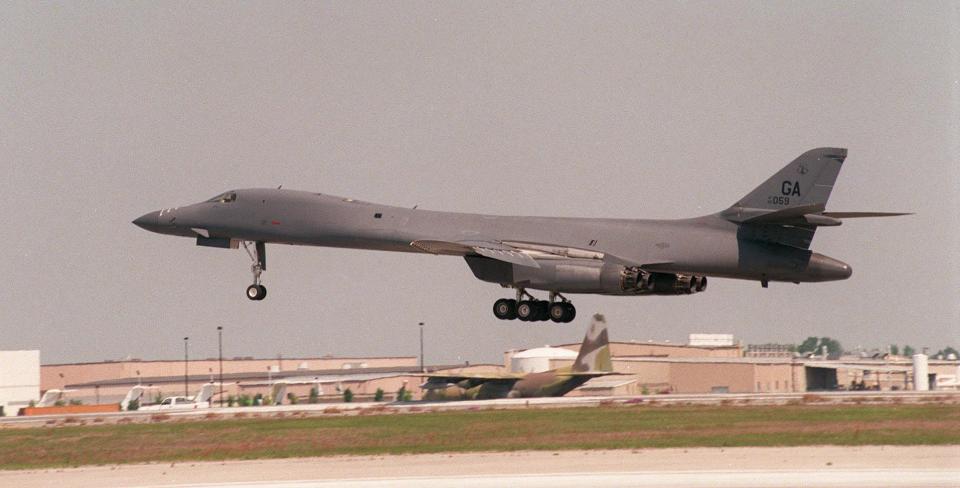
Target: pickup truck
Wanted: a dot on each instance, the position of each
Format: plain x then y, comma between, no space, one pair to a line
176,403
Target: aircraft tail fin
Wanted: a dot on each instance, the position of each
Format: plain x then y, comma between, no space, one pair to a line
206,393
789,207
806,182
595,351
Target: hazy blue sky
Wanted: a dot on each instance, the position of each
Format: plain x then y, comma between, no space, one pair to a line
631,110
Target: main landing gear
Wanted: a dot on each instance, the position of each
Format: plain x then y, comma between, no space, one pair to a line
529,309
256,291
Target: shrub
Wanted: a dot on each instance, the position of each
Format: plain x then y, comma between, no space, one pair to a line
2,414
74,401
314,395
258,399
245,400
401,393
347,395
59,403
292,398
231,400
133,405
378,396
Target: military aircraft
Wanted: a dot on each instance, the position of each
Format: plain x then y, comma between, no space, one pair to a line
765,236
592,361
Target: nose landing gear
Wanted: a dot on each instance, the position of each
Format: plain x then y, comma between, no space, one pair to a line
529,309
256,291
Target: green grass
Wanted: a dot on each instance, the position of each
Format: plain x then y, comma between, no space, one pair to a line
608,427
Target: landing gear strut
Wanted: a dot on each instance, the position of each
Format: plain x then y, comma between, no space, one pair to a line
528,309
256,291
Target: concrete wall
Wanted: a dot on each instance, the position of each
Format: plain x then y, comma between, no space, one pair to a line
19,379
704,377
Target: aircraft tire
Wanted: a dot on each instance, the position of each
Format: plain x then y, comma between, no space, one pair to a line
571,312
505,309
558,312
256,292
543,310
527,311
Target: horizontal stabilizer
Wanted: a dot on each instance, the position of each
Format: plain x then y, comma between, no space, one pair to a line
742,215
860,215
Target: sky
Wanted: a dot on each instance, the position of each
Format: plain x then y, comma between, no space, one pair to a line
577,109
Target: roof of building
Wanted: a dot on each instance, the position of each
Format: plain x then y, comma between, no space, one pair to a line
226,360
658,344
704,360
320,374
546,352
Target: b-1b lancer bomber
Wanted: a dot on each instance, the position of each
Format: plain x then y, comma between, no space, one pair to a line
765,236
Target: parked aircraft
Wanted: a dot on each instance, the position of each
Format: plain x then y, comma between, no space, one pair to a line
765,236
200,400
592,361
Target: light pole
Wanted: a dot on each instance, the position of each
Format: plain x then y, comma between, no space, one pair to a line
220,348
186,363
421,349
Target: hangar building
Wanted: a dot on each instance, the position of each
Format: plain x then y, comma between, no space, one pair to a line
19,380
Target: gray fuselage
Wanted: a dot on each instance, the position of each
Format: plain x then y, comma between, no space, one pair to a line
707,246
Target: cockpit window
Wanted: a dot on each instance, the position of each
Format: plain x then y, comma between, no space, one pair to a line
227,197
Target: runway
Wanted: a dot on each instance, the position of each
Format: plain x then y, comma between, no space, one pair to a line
818,466
690,479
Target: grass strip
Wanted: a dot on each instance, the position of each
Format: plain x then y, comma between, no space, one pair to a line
605,427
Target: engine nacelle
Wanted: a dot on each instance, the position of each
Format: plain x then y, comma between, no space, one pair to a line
645,283
585,276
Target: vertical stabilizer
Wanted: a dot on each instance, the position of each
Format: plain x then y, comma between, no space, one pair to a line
595,350
205,394
806,182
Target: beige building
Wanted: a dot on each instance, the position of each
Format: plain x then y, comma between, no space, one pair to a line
760,375
650,367
699,375
362,376
60,375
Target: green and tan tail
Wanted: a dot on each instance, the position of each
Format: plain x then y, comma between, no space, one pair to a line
595,351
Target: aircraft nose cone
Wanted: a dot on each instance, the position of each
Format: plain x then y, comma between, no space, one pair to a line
149,221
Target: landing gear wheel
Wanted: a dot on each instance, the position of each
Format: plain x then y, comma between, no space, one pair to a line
527,310
256,292
571,312
505,309
543,310
558,312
